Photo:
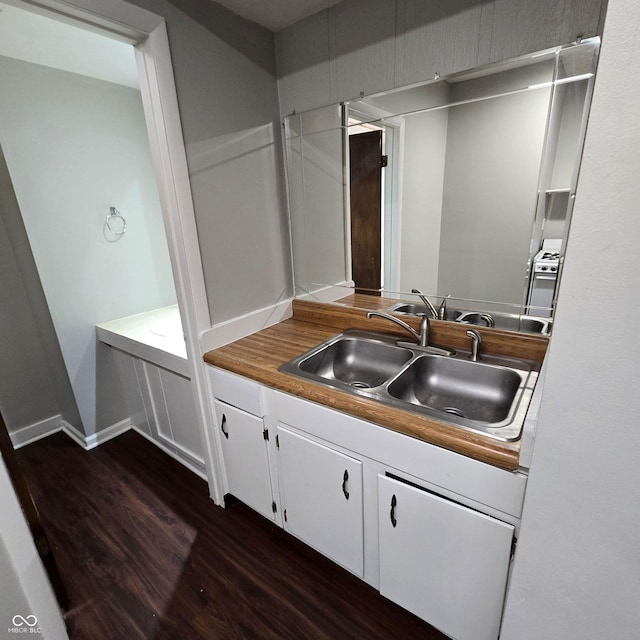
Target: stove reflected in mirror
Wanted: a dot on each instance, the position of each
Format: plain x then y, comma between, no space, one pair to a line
456,188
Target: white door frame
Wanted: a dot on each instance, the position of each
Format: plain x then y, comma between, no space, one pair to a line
147,32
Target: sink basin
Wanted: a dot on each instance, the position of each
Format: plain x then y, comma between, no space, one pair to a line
489,397
461,388
357,361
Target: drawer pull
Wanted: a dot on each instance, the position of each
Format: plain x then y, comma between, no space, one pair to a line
345,478
394,502
222,424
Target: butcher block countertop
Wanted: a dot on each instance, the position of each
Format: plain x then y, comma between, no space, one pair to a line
259,355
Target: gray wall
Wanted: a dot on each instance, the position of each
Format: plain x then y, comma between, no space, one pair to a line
375,45
494,150
34,384
425,143
75,146
415,263
369,46
316,198
225,78
576,570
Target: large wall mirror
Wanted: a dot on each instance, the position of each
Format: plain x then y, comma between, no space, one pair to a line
461,188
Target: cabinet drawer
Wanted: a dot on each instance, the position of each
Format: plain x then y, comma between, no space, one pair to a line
236,391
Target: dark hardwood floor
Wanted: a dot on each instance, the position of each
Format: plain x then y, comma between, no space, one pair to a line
145,554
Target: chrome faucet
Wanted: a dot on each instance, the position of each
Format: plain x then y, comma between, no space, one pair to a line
427,302
488,319
476,341
422,337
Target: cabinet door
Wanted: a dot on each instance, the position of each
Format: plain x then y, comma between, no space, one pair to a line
181,412
321,492
444,562
244,451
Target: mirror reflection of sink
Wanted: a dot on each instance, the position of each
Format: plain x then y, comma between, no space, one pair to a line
471,390
490,397
534,325
408,308
357,361
506,321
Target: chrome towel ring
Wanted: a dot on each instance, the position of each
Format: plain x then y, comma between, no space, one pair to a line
115,214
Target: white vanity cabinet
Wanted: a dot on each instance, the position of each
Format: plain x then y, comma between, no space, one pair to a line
321,496
444,562
433,530
243,440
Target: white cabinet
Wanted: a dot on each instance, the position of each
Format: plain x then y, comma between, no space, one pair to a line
340,483
172,413
444,562
321,493
244,451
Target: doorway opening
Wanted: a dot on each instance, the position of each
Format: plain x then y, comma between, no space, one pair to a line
374,201
173,249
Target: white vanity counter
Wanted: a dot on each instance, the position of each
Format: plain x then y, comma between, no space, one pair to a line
155,336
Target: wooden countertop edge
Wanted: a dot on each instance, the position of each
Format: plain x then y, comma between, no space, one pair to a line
258,357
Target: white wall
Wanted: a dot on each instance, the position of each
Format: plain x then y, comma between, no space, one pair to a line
577,567
74,147
24,587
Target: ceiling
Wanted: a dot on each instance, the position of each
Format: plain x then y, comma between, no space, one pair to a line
276,14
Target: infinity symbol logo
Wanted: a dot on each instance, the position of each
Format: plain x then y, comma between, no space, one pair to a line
30,621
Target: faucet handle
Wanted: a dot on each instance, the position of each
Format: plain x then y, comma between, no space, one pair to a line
476,341
424,329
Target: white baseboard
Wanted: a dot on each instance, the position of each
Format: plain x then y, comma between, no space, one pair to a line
104,435
49,426
77,436
236,328
36,431
39,430
182,460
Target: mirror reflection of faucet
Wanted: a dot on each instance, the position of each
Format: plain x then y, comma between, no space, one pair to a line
426,302
442,309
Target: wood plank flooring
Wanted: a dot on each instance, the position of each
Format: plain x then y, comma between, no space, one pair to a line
145,554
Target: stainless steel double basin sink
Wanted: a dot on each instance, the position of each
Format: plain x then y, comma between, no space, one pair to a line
489,397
